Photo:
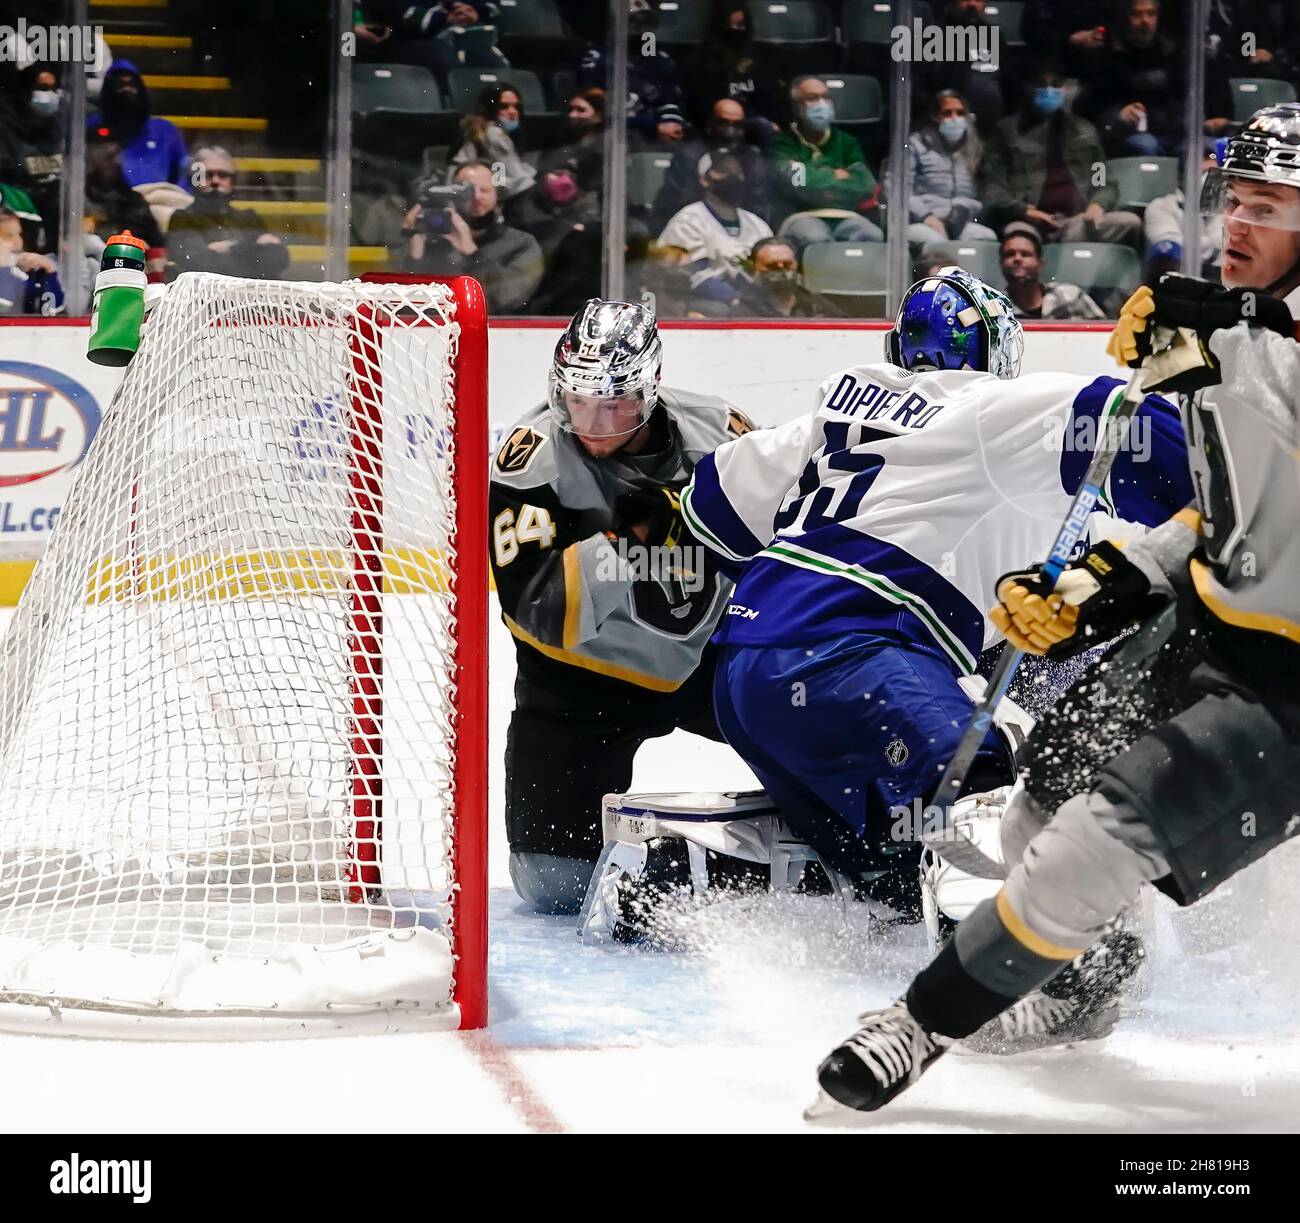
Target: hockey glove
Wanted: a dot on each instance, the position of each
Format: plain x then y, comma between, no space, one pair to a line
1193,310
1095,598
657,510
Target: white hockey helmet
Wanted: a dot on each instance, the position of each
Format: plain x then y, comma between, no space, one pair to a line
605,376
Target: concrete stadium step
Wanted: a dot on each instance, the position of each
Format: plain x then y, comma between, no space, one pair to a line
240,134
165,53
294,219
111,12
307,260
280,178
188,93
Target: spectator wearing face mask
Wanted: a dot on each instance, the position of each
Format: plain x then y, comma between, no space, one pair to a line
726,66
555,206
653,80
212,235
493,134
1039,166
585,148
979,74
819,172
681,185
566,221
717,232
29,282
1132,86
153,150
1021,257
34,159
470,237
945,161
777,290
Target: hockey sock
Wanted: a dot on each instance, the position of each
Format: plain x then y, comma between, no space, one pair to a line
945,998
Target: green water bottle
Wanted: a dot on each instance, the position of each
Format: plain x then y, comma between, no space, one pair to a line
118,311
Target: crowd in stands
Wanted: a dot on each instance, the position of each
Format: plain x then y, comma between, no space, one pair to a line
743,168
140,177
757,173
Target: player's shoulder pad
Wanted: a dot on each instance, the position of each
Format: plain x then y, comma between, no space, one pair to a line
704,421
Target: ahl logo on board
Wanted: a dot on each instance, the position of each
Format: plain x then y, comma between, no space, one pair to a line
47,422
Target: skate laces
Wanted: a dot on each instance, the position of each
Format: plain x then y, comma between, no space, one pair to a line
891,1044
1035,1015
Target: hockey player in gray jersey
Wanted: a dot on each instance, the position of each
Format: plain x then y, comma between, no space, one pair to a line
1176,759
611,616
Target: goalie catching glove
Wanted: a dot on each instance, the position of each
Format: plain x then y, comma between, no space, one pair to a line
1190,311
1095,598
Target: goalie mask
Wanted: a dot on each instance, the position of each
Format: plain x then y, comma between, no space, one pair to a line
605,377
1251,200
953,320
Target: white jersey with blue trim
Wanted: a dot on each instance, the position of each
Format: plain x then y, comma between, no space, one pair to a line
898,503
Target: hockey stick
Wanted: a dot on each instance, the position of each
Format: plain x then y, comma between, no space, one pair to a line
950,842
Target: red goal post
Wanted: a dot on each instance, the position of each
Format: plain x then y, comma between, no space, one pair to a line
470,425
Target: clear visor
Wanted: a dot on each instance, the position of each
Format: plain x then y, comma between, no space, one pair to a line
1230,201
599,416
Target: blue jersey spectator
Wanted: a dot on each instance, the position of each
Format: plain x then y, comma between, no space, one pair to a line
152,149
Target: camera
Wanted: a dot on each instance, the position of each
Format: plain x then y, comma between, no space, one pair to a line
437,201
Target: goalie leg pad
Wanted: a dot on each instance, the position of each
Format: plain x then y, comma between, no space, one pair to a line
689,844
949,893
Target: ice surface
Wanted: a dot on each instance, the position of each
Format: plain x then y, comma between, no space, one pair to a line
728,1037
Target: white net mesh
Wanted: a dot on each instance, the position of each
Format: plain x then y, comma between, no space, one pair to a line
226,724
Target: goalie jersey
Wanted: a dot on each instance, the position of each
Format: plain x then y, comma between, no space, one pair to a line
897,505
593,619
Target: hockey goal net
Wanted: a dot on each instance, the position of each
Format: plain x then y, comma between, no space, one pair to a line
243,714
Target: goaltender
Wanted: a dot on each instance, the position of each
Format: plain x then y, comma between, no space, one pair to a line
611,610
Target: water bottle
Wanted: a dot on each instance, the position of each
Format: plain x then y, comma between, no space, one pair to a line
118,310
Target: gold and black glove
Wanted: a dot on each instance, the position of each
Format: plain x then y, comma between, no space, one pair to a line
1095,598
1191,310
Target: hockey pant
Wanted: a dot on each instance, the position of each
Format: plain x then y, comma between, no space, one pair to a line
847,736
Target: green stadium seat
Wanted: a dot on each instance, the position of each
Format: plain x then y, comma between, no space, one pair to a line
465,84
1139,180
645,175
791,21
400,88
1099,268
980,257
846,269
1249,93
1008,16
683,23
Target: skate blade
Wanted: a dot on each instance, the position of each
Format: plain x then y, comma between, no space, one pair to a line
827,1108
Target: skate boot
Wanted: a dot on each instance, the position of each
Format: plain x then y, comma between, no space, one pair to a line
1082,1002
882,1058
